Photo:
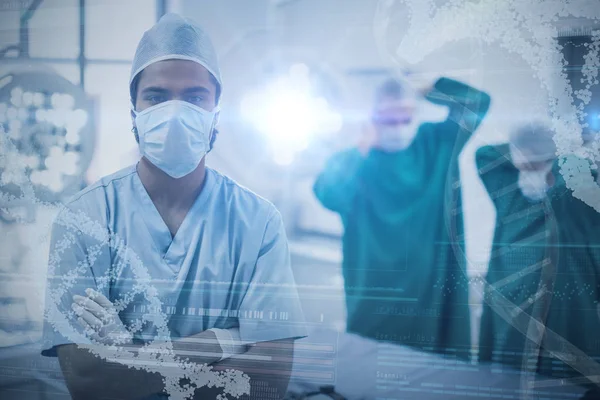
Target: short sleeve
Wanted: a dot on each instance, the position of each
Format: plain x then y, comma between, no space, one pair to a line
270,309
72,257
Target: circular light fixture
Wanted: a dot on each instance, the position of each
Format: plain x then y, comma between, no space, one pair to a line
49,121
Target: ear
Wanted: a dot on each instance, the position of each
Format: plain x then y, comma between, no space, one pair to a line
214,131
134,127
216,120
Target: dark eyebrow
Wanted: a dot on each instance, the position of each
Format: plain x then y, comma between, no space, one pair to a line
154,89
196,89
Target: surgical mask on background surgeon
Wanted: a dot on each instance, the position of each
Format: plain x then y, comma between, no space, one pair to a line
175,135
533,184
394,138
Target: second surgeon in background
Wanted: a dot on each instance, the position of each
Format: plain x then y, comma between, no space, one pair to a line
403,282
545,261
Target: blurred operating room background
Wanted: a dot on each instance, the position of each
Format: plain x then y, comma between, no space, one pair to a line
275,133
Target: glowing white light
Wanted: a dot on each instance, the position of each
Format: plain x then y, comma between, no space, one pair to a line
33,162
55,100
60,118
12,113
72,137
299,70
334,123
62,101
14,129
56,117
60,163
77,119
49,116
16,96
283,158
35,177
68,102
38,99
27,99
248,105
49,178
54,181
69,164
22,114
289,114
40,115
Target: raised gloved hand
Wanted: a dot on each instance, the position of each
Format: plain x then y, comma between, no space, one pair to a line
100,320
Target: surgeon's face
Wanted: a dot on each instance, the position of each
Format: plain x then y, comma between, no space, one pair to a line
393,112
532,166
176,80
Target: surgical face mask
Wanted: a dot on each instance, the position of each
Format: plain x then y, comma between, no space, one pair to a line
394,138
175,135
533,184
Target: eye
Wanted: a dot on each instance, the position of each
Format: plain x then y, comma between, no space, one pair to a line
155,99
195,99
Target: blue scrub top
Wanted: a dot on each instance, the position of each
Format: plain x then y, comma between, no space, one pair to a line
227,266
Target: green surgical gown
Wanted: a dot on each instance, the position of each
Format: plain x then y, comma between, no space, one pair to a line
560,234
404,281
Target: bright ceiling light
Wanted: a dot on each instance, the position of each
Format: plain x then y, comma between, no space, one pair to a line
38,99
16,96
27,99
12,113
290,113
47,120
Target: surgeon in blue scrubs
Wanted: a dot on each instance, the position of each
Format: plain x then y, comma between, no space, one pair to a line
214,253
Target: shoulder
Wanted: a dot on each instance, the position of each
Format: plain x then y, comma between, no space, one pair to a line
239,200
92,200
493,162
345,154
345,158
436,135
490,153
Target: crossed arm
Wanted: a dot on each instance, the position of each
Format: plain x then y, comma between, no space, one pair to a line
88,376
268,365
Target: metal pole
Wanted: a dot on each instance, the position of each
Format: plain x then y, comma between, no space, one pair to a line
161,8
81,59
24,28
58,60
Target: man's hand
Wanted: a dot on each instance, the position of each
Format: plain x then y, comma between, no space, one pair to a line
100,320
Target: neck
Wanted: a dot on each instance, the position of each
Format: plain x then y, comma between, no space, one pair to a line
168,191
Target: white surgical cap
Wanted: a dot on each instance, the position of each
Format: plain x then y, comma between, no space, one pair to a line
175,37
532,142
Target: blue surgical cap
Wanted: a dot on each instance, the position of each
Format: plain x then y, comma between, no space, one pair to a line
533,142
175,38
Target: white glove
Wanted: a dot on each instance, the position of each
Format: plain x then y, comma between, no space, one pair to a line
100,320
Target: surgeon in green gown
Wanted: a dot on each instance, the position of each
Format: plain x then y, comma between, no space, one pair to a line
544,264
404,280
